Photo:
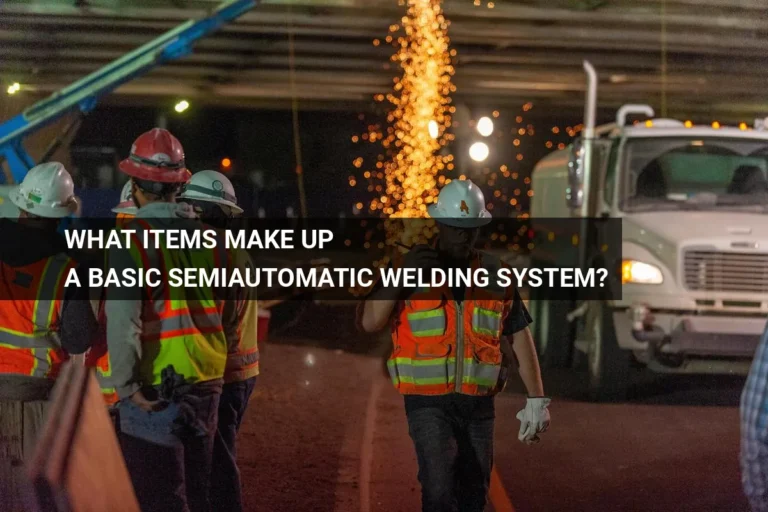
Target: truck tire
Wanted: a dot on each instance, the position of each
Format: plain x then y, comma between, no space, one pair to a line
607,364
552,333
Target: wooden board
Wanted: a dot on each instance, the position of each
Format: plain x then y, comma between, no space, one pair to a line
77,465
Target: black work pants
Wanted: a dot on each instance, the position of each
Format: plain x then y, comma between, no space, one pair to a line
169,453
453,438
226,486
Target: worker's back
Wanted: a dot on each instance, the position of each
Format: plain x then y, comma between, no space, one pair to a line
181,326
243,360
32,275
38,329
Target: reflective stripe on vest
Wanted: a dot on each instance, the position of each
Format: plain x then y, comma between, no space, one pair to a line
98,357
437,339
242,366
442,370
181,327
243,360
486,321
34,349
427,323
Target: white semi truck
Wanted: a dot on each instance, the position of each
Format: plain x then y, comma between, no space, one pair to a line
693,203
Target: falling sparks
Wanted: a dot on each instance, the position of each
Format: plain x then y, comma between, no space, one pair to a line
419,120
420,115
420,110
415,160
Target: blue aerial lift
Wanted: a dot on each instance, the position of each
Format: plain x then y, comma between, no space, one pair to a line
83,95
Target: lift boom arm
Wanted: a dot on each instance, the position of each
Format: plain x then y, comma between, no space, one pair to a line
84,94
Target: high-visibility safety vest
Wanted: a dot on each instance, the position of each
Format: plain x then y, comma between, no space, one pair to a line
181,326
30,311
243,360
98,358
123,219
443,346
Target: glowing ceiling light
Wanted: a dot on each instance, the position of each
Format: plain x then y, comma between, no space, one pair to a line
479,151
485,126
181,106
14,88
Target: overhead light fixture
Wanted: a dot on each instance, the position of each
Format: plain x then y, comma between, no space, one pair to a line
479,151
181,106
14,88
226,163
485,126
618,79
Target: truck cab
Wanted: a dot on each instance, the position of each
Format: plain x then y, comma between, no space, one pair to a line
693,203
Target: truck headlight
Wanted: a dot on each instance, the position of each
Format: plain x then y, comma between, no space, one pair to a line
633,271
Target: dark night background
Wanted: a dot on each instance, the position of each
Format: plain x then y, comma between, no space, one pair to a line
261,143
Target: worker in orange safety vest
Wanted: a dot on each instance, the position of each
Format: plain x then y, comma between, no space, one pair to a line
452,349
41,323
213,195
167,345
97,356
126,209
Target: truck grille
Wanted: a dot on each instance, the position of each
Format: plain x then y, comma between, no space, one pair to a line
726,271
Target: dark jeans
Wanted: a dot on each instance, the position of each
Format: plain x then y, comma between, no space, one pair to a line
453,437
226,489
168,453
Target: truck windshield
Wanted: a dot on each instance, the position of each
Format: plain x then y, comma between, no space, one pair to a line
694,173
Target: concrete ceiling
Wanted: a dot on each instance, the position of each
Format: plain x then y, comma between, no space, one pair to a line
517,51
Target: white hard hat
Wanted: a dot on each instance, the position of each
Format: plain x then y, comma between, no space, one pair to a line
213,187
8,210
126,204
460,204
47,191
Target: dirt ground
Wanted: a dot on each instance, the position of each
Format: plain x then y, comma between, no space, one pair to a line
325,431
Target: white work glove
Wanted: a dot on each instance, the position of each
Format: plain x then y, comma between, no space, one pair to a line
534,420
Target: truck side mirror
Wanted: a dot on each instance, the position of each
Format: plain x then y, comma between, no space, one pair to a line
574,194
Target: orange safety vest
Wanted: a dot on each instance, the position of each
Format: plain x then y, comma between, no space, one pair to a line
243,362
181,327
442,346
30,312
98,358
123,219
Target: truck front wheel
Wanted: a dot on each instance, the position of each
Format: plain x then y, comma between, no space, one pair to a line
608,365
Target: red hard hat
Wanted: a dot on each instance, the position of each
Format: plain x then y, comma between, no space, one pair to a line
156,156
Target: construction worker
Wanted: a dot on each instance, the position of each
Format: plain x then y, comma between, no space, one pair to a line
753,409
452,351
98,357
213,196
167,345
41,323
126,208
